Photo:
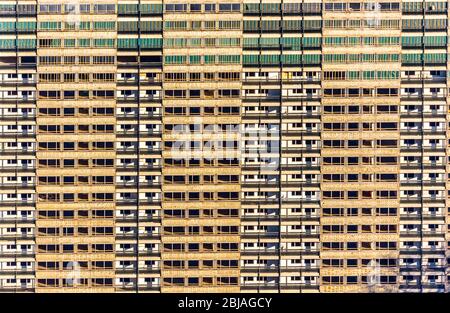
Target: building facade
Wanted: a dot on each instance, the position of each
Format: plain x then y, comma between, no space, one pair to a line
224,146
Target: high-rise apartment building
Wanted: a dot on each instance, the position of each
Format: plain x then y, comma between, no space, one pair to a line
224,146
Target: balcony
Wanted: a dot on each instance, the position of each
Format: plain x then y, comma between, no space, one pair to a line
277,81
16,236
17,134
14,100
426,80
134,202
18,203
145,99
132,254
131,287
142,82
21,117
267,234
132,183
426,130
130,133
139,116
275,268
283,251
275,286
142,150
139,65
279,98
20,83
